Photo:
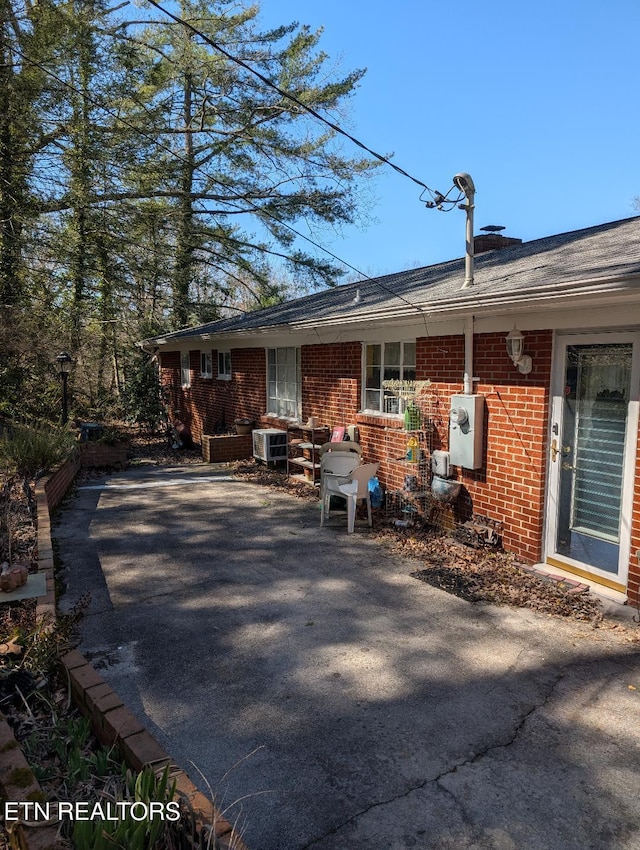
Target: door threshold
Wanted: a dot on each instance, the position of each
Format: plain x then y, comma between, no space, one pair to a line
605,587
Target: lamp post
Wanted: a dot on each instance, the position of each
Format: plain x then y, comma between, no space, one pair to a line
65,363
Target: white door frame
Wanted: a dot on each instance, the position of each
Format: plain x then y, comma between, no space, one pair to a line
562,341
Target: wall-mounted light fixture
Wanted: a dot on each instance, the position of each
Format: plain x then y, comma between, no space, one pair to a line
515,350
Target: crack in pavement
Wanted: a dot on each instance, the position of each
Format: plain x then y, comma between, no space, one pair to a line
437,780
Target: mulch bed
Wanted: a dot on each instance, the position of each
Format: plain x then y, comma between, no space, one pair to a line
17,538
155,449
487,576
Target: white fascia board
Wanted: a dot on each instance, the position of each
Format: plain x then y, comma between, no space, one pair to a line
562,318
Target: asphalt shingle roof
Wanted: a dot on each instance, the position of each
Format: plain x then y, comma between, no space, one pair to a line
578,258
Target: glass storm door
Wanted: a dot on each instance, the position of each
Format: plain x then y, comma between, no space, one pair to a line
592,454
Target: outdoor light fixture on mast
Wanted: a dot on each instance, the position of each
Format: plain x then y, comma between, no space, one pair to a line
65,363
464,183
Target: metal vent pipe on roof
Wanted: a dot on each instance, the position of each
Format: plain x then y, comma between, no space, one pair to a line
465,184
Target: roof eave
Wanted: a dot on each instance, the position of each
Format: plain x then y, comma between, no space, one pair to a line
589,291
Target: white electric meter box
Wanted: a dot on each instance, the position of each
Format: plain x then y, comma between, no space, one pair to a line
466,430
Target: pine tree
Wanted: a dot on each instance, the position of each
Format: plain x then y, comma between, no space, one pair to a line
149,181
239,163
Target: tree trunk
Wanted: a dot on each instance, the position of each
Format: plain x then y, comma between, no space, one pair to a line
185,236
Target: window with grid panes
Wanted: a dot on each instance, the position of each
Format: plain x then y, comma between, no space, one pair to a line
386,361
284,383
224,365
205,364
185,369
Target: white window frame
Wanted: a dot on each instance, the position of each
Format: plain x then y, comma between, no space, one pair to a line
284,383
206,364
224,364
405,371
185,369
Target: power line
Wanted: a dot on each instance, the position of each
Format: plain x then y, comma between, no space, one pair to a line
162,146
437,197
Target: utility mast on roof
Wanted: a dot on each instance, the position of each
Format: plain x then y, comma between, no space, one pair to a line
464,182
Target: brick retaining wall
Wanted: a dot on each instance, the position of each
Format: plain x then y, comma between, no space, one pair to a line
112,722
103,454
58,483
224,448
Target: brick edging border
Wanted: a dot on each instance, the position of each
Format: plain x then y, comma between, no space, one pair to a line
114,725
112,722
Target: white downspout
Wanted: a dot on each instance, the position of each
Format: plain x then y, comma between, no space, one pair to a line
468,356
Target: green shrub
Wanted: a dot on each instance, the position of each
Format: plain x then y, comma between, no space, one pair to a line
111,435
142,395
31,450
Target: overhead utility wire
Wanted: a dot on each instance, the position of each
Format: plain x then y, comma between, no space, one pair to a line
439,200
180,158
437,196
162,146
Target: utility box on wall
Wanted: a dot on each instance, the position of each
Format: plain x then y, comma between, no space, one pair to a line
466,426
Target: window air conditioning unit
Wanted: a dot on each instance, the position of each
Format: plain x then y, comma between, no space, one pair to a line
269,444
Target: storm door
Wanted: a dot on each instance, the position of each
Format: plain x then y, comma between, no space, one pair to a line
592,454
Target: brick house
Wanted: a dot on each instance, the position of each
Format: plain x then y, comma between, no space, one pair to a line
559,463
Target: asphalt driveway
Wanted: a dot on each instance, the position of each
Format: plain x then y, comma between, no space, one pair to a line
332,701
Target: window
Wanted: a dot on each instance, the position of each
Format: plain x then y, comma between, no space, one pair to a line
185,369
387,361
284,383
224,365
205,364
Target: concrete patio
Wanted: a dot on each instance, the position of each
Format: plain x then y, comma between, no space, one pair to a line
332,701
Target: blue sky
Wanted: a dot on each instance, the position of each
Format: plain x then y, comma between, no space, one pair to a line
537,101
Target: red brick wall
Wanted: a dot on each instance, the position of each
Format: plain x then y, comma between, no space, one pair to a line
223,448
511,487
57,484
331,382
210,403
101,454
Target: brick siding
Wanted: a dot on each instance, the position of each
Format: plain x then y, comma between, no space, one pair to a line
210,404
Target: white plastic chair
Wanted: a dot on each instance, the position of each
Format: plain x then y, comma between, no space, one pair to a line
335,469
343,446
357,490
